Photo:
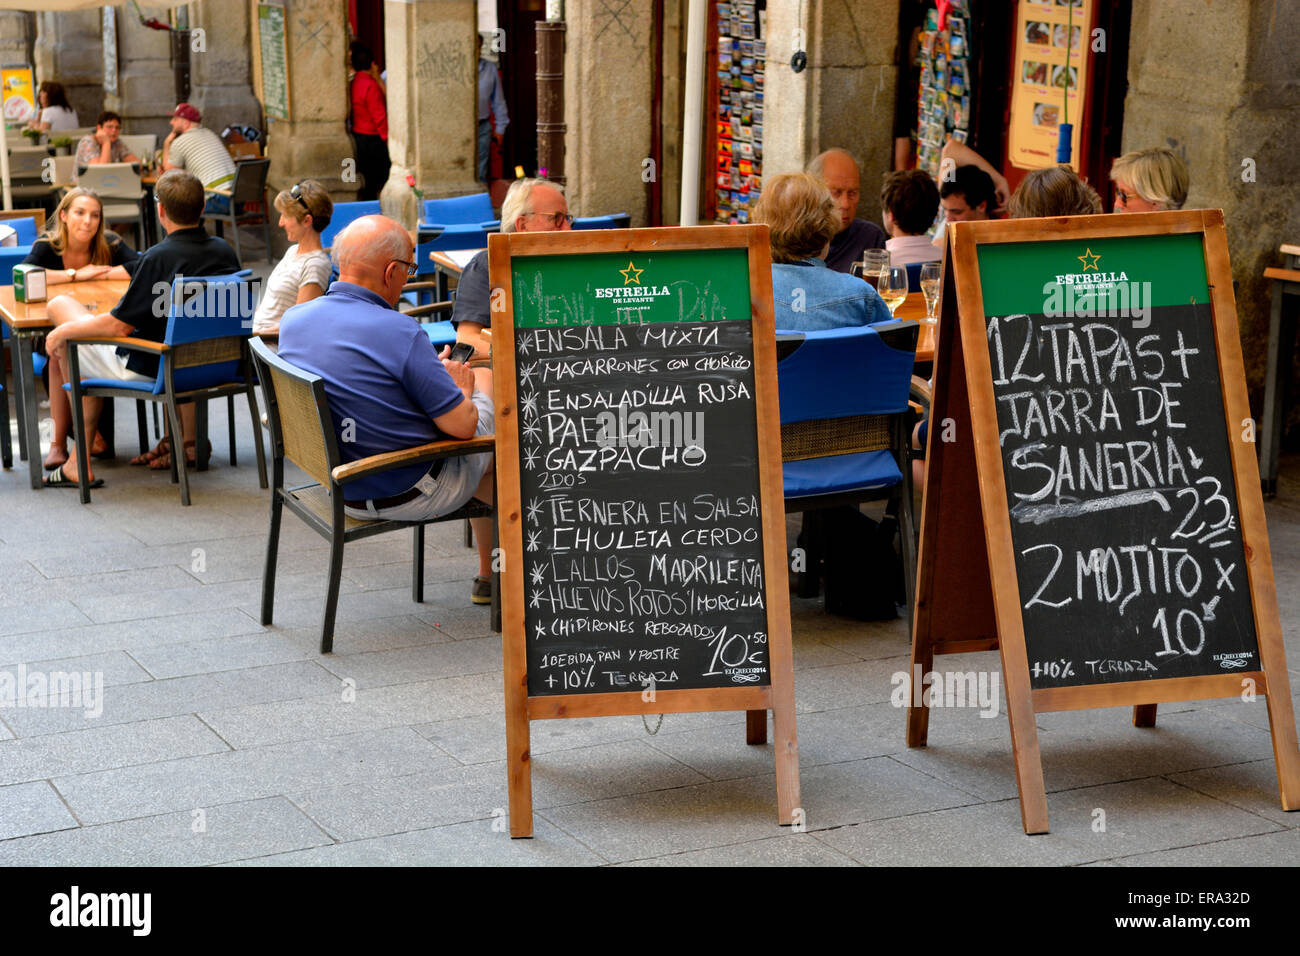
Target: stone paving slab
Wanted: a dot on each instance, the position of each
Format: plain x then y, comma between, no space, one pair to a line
28,808
182,695
106,747
464,844
454,794
195,782
1251,786
333,715
230,832
399,666
36,643
791,850
1270,849
112,667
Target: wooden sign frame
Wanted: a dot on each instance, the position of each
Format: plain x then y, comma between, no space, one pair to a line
778,695
968,594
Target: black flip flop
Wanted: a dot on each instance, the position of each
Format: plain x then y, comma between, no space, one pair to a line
57,479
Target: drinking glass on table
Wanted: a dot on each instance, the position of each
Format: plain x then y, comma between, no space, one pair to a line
874,261
893,287
930,277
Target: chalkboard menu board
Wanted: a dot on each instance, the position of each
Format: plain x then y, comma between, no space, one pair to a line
1119,481
643,555
275,60
639,485
1091,503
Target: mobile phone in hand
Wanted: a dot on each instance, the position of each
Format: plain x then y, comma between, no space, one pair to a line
461,352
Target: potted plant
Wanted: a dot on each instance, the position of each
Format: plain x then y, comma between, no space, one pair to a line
33,136
62,145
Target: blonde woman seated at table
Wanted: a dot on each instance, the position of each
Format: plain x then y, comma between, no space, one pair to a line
304,272
806,293
75,248
1149,180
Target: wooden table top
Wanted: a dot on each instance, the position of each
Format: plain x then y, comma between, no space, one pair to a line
913,308
101,295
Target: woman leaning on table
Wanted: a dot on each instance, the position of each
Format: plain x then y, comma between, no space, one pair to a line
75,248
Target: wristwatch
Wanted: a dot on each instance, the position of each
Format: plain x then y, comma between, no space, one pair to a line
72,275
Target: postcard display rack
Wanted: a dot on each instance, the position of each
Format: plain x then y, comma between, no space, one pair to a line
742,55
943,107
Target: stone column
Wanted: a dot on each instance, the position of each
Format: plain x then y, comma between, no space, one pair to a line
69,50
845,96
220,65
1240,134
313,143
146,87
430,47
608,86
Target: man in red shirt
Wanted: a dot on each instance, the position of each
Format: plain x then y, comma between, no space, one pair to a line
369,124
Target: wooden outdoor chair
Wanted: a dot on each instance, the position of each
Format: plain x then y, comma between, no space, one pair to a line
303,432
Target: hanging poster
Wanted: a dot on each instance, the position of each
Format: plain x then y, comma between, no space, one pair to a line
1051,75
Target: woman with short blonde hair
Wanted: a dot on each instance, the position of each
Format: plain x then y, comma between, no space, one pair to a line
304,272
1053,191
1147,180
806,294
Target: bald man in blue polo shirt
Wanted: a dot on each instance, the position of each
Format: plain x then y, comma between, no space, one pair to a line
389,389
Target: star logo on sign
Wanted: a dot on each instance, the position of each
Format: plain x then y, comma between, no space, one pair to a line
526,375
533,431
523,343
541,631
530,459
537,575
534,540
537,599
631,275
1089,254
534,509
530,405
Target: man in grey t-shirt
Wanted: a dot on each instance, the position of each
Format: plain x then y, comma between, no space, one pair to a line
200,152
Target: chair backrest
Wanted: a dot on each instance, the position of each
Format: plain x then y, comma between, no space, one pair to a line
297,411
615,220
250,180
37,215
459,210
26,229
914,276
27,162
839,373
112,180
209,319
65,170
345,213
141,144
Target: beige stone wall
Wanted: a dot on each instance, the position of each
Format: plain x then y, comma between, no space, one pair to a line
220,66
146,86
608,87
432,101
68,50
844,98
1217,82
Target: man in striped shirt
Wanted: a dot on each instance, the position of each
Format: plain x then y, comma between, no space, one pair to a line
200,152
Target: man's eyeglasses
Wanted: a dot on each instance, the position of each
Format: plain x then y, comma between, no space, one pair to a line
296,193
557,219
410,267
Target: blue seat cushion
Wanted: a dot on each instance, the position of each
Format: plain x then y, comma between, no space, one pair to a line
146,387
864,470
440,333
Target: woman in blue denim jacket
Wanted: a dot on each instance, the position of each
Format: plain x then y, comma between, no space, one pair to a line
806,294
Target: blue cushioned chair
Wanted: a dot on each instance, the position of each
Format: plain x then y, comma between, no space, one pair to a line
344,214
203,355
615,220
846,428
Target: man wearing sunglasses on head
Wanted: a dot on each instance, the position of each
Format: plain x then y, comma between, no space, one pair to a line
388,389
531,205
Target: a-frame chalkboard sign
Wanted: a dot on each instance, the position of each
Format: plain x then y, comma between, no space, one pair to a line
639,485
1092,503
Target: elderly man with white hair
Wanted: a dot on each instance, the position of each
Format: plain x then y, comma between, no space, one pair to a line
389,389
531,205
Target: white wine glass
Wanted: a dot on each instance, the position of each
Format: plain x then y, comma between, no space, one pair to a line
930,279
893,287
